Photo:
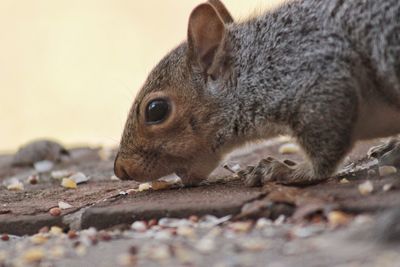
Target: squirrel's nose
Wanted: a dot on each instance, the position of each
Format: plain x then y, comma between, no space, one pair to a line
120,169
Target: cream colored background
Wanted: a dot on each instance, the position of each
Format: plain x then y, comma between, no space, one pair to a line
69,69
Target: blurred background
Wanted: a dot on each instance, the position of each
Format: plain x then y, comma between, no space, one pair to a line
70,69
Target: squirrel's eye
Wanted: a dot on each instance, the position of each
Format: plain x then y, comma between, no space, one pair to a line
157,111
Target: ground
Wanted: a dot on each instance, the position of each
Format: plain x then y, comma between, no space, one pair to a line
342,222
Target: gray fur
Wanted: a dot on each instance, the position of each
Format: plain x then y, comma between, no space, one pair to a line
314,69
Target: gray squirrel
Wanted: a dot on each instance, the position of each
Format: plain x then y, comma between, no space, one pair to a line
326,72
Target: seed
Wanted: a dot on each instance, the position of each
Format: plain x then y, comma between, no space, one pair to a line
72,234
16,186
338,218
366,188
387,170
55,230
33,179
144,187
344,181
5,237
68,183
55,212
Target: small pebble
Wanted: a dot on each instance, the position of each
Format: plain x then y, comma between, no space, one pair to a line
289,148
79,178
43,166
387,187
115,178
55,212
366,188
60,174
139,226
387,170
68,183
5,237
64,205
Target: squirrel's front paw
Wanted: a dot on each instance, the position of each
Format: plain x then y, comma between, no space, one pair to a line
388,153
268,170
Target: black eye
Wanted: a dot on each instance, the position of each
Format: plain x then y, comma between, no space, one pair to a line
157,111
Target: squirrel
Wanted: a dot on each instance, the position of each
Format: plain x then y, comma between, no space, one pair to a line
326,72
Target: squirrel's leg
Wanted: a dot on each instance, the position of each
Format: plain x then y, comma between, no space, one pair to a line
388,153
324,129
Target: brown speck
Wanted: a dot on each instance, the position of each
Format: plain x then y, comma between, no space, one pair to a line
72,234
5,237
55,212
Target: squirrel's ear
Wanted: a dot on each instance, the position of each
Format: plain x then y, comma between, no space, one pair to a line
222,11
205,35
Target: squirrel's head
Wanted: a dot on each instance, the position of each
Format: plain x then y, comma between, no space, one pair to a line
172,125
